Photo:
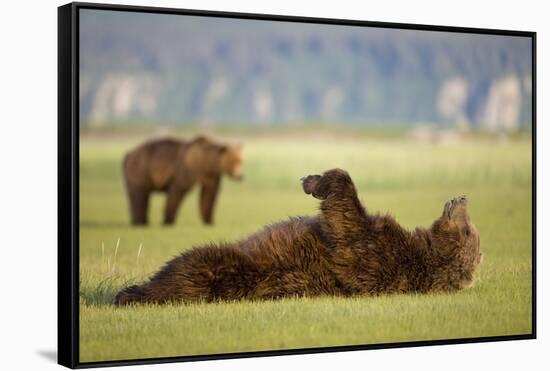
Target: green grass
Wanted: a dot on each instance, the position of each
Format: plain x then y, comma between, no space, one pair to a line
411,180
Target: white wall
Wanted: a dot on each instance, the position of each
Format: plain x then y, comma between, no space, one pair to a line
28,181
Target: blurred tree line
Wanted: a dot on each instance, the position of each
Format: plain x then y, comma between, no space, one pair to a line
213,71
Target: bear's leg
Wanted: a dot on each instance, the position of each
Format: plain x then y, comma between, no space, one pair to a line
209,193
173,201
343,218
139,205
129,295
208,273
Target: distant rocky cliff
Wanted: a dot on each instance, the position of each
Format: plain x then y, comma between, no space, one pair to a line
176,69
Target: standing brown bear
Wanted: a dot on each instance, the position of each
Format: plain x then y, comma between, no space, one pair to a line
174,167
343,251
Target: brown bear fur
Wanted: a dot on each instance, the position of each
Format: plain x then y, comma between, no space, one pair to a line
344,251
174,167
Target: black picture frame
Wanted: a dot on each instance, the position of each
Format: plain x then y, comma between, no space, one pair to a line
68,182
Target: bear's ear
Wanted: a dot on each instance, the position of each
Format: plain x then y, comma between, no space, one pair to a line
236,148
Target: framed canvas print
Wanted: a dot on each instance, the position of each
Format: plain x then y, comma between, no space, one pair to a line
236,185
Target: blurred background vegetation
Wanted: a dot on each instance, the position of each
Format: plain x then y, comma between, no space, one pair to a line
203,71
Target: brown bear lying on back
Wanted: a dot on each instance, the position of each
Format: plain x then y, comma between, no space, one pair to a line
342,251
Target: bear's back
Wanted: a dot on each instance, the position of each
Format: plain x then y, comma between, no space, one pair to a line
154,162
163,160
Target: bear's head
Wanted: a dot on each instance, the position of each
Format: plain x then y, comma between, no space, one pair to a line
231,161
208,157
457,241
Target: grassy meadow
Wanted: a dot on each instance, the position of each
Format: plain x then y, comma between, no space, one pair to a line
410,179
